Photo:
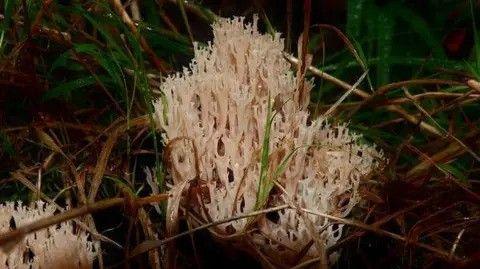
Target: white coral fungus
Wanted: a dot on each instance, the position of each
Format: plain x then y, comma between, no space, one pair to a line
213,115
58,246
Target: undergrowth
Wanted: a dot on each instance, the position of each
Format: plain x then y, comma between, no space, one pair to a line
78,79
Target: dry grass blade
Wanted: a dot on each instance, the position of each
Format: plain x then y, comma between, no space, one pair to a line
345,95
157,62
181,6
288,45
148,245
448,153
473,84
439,252
378,223
431,95
294,61
147,226
107,149
48,141
303,49
446,134
101,165
392,108
347,42
457,240
395,85
446,173
403,100
172,216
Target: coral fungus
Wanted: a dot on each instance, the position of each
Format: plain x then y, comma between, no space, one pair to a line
58,246
214,115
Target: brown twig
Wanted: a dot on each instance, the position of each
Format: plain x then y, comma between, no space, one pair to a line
432,162
307,8
149,245
21,232
392,108
395,85
289,12
157,62
379,223
403,100
107,149
202,13
38,18
448,153
181,6
441,253
446,133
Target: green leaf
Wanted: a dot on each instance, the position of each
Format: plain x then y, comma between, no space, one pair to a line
60,62
264,184
66,88
8,8
152,11
354,18
420,26
94,20
167,44
456,172
185,18
371,13
107,61
6,145
384,46
113,70
86,48
432,64
476,41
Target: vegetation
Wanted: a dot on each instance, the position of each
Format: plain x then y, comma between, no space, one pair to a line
78,80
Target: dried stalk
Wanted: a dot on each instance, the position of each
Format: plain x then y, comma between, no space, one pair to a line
151,244
157,62
392,108
107,149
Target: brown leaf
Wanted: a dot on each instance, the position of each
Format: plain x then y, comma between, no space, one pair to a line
172,217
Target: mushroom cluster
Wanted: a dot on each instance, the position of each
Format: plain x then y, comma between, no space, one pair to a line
60,246
216,116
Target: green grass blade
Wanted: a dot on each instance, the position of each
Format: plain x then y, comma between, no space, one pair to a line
8,8
475,40
419,25
64,89
185,19
354,18
385,28
264,184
